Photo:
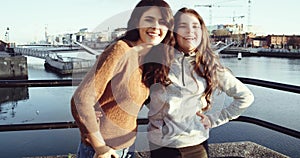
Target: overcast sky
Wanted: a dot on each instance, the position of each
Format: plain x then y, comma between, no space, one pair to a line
27,19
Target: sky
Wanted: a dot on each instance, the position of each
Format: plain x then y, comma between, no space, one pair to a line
27,19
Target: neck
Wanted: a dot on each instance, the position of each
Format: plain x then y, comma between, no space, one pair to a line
186,52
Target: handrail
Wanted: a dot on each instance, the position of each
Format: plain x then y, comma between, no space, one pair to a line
269,125
39,83
72,124
75,82
269,84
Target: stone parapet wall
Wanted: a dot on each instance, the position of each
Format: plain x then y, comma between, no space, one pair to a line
13,68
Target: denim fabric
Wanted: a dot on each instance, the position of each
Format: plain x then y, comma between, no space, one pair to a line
197,151
86,151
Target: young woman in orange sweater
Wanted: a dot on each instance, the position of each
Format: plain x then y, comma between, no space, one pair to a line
118,84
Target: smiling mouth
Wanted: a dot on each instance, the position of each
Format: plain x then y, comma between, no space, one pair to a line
153,34
189,38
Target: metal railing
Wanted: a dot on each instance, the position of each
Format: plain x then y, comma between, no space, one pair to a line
75,82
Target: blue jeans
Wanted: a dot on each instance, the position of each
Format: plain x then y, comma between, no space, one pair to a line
86,151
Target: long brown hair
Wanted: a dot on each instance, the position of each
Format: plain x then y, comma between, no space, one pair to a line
207,62
156,62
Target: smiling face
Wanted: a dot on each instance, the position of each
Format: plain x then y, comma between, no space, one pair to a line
152,27
189,33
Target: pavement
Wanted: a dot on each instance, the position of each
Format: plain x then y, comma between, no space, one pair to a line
244,149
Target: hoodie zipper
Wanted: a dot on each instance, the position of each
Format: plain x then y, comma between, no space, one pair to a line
182,65
182,73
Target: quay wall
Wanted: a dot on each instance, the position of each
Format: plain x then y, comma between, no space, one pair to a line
278,54
13,94
261,53
13,67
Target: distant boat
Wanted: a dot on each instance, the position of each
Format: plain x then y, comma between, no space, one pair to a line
239,56
67,65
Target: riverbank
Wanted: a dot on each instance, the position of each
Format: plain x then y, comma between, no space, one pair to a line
261,52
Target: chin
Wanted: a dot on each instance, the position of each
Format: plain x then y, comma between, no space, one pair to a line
154,42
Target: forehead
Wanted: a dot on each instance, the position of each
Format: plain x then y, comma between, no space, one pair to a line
188,18
152,12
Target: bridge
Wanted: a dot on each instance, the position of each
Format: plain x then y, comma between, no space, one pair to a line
33,52
219,46
39,52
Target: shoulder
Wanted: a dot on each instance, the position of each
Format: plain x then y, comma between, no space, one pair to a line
115,49
118,46
223,73
122,43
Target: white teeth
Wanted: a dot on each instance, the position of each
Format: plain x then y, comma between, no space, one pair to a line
153,34
189,38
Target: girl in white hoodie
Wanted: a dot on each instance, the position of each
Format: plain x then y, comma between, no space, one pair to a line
178,122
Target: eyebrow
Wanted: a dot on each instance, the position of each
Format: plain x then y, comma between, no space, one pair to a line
184,23
151,17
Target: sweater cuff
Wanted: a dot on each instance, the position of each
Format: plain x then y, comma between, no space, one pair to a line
96,136
102,150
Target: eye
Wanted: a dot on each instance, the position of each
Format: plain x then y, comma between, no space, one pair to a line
196,26
149,20
162,22
182,26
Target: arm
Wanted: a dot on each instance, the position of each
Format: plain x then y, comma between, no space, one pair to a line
89,92
242,99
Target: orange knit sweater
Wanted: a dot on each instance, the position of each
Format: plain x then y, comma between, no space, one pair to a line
114,87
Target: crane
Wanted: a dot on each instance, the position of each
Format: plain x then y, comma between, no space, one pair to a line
249,15
239,17
210,6
210,11
233,17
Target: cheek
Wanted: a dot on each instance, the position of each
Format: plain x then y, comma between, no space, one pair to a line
199,38
142,33
164,33
180,32
180,42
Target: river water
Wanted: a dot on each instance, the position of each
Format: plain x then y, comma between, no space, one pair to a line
51,104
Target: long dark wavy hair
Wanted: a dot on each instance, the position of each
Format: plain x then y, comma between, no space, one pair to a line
207,62
156,62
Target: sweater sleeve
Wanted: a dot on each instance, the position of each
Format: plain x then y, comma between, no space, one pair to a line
242,99
91,89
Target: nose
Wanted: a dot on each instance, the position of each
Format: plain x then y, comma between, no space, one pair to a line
190,29
155,24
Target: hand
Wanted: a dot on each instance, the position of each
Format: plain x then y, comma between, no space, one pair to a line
111,153
204,120
98,115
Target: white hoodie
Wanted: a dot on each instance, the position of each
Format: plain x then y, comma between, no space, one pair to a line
172,111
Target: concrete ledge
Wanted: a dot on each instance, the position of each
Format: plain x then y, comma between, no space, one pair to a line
235,149
242,149
219,150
